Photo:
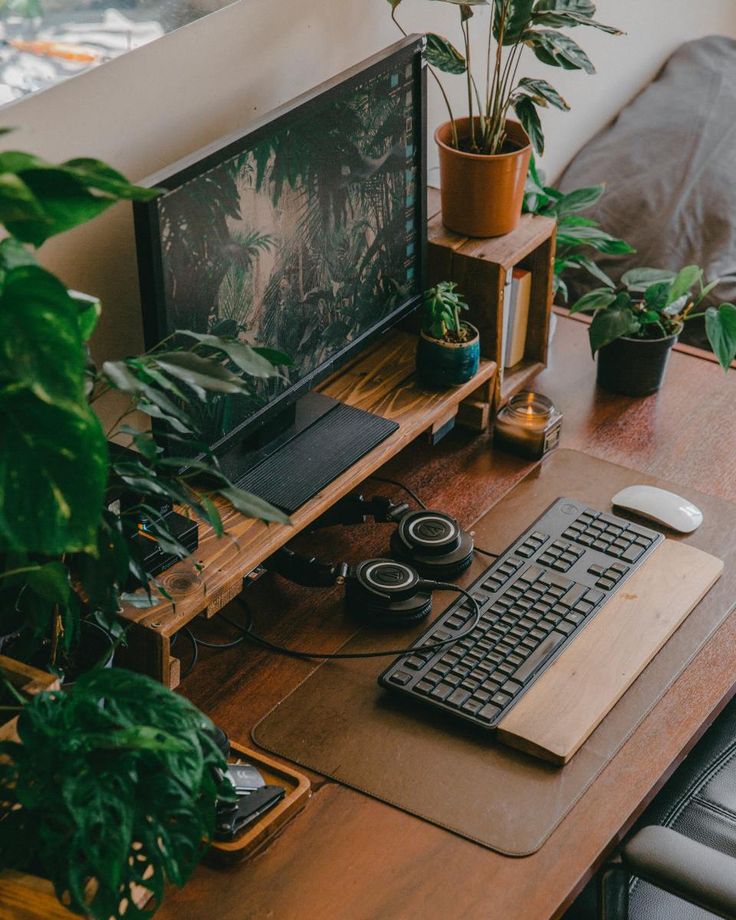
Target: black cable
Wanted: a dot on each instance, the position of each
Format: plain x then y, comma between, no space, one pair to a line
400,485
219,645
484,552
387,653
195,650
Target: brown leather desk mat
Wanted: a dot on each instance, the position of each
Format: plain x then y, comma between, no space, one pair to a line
339,723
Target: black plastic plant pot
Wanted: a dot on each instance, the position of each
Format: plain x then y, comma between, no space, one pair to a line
634,367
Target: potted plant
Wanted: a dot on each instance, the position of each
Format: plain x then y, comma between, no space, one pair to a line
484,156
112,782
448,351
579,239
634,327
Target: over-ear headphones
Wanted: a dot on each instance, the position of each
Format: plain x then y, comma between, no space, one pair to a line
429,547
433,543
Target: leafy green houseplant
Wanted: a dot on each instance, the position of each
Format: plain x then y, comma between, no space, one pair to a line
579,239
634,328
484,156
448,351
66,558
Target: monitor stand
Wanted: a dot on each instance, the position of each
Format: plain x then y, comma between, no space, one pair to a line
305,451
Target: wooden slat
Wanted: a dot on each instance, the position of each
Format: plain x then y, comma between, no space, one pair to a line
26,897
571,698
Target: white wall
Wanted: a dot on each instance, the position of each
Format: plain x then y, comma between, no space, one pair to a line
163,101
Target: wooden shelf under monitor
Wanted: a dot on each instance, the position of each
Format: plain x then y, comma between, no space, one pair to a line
480,268
380,380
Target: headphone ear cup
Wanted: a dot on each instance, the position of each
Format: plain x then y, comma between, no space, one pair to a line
433,543
387,592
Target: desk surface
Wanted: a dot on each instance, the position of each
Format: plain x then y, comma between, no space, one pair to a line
348,856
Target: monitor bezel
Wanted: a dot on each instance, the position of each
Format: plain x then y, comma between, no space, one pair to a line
148,231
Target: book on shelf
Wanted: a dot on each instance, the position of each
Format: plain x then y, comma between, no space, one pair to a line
516,315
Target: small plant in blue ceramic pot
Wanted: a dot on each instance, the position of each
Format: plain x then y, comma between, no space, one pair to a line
448,352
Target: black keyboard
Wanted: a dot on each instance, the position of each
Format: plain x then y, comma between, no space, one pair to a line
534,600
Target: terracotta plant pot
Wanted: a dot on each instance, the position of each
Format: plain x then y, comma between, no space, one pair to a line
482,195
447,364
634,367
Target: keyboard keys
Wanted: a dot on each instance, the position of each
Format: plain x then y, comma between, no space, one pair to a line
531,603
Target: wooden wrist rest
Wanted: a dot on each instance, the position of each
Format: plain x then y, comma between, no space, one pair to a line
564,706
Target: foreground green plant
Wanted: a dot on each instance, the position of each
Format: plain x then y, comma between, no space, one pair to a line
110,793
654,304
113,784
579,238
442,308
513,26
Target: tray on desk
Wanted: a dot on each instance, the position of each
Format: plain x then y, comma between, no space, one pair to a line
298,790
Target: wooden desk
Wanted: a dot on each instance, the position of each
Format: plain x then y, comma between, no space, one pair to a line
348,857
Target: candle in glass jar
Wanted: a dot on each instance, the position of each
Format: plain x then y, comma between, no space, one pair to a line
529,425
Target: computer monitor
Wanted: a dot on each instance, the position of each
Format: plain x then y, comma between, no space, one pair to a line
305,233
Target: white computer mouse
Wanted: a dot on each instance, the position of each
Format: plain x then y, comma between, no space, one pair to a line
660,506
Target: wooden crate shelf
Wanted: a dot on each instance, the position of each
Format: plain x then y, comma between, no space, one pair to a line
480,268
381,380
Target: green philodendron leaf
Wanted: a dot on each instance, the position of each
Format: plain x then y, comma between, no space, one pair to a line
558,50
443,55
593,269
53,473
612,323
656,296
514,17
13,254
40,341
98,175
720,327
253,506
89,311
684,281
599,299
637,280
51,199
17,201
527,114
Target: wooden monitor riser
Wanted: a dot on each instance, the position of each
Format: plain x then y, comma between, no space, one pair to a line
564,706
381,380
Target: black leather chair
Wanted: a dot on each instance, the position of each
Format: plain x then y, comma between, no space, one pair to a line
680,861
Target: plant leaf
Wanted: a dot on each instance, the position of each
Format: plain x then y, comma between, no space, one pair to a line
558,50
514,16
612,323
248,359
637,280
443,55
529,117
684,280
720,327
543,93
53,472
252,506
598,299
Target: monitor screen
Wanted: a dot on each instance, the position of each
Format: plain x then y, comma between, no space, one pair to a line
305,234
